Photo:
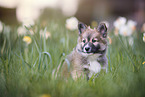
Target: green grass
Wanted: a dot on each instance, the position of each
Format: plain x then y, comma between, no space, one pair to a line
27,71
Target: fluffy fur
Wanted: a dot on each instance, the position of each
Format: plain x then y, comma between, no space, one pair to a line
89,56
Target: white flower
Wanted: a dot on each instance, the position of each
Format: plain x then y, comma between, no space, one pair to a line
45,34
143,27
127,29
119,22
144,37
72,23
28,22
21,31
26,10
68,7
1,26
123,28
131,24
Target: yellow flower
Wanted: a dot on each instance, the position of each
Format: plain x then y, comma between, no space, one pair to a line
45,95
144,37
143,62
27,39
94,24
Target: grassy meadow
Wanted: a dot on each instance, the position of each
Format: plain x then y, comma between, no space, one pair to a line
28,70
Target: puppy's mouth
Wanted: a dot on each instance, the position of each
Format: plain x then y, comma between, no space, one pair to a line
96,52
88,52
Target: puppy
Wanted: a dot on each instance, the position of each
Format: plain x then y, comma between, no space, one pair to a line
89,56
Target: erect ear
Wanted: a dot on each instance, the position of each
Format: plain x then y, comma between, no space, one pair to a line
81,27
102,29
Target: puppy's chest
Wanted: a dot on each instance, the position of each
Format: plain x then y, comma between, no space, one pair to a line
92,65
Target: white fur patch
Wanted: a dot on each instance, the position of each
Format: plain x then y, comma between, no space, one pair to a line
94,68
93,57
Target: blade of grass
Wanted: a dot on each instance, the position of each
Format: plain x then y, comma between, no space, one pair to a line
39,63
3,47
109,59
127,54
35,62
49,55
33,40
23,61
44,39
44,46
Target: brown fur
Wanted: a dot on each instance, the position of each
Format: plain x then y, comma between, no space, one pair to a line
80,61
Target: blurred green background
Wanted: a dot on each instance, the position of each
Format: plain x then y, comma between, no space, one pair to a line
31,51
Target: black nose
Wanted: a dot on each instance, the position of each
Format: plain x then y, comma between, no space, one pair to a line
87,48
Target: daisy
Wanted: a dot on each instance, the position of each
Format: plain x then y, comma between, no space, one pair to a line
72,23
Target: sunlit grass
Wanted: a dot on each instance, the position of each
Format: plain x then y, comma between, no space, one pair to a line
29,70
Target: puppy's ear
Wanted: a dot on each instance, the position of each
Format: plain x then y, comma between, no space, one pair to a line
81,27
102,29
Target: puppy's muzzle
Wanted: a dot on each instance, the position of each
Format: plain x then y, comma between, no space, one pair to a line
90,48
87,48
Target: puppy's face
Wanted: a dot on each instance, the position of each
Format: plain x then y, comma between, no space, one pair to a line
92,41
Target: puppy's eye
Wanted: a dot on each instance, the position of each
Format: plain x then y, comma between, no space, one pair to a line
94,40
84,41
